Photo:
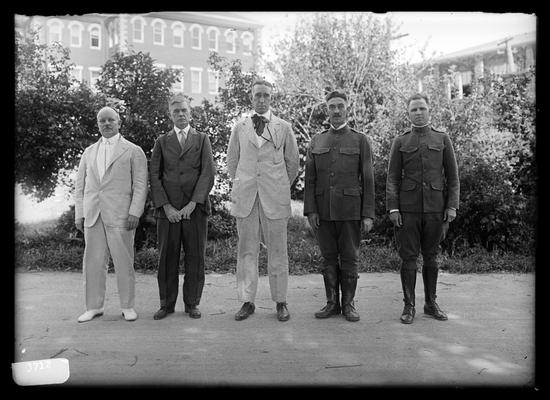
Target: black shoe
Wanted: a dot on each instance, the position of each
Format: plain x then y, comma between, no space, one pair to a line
434,310
328,311
282,312
350,313
246,310
193,311
407,316
163,312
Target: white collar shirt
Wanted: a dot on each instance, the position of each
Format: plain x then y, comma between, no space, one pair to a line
182,134
105,152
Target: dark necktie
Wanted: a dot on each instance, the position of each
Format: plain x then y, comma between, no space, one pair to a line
259,124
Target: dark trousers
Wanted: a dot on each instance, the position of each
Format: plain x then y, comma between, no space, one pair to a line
420,232
192,234
339,243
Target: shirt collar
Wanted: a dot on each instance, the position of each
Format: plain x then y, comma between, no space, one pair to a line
111,140
185,130
340,127
266,115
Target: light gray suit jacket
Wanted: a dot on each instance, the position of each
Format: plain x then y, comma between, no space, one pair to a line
268,170
122,191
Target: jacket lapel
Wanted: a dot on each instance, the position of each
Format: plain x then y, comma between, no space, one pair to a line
120,147
248,127
93,158
275,130
191,137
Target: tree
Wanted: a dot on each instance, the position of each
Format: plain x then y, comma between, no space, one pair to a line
140,92
54,116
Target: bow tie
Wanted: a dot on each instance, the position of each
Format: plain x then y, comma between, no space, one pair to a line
259,123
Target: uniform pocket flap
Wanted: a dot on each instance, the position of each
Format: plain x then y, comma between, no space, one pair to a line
352,192
349,150
321,150
408,185
408,149
434,147
436,186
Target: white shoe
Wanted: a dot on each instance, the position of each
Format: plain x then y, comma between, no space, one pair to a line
129,314
90,314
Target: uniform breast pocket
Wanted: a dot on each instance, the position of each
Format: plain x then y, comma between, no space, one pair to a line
321,156
435,153
350,158
409,154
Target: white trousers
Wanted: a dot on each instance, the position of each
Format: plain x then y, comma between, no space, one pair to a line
274,232
102,241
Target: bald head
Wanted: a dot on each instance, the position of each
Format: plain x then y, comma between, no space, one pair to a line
108,122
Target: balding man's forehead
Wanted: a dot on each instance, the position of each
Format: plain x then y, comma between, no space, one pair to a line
107,111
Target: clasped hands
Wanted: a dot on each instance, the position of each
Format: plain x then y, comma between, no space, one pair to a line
174,215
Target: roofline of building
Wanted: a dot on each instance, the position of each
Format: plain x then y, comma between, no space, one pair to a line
523,38
207,16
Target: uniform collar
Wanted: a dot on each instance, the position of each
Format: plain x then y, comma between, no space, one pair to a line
340,127
421,129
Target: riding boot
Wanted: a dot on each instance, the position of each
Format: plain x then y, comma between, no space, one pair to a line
349,286
429,276
330,277
408,282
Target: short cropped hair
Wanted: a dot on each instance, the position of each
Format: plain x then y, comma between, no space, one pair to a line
178,98
418,96
336,93
260,81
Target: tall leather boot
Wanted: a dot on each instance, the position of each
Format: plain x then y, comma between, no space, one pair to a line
429,276
408,282
330,277
349,286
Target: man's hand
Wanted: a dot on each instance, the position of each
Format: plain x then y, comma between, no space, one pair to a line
367,224
449,215
396,220
313,220
186,211
171,213
133,222
79,223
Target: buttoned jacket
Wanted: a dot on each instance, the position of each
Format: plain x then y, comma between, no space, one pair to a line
179,174
422,172
122,190
339,179
267,170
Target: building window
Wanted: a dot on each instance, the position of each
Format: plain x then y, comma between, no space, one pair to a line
95,36
177,33
158,31
196,33
213,82
138,26
75,30
230,41
54,30
466,83
178,86
196,80
76,72
247,39
113,33
212,33
95,72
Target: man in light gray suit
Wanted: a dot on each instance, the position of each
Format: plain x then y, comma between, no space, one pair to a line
262,161
110,194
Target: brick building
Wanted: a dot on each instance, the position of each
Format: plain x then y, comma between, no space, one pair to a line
180,40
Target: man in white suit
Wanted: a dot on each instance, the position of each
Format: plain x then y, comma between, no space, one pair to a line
262,161
110,194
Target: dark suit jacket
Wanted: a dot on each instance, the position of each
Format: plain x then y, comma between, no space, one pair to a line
178,175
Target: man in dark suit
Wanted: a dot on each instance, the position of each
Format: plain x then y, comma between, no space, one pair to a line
339,201
422,195
181,175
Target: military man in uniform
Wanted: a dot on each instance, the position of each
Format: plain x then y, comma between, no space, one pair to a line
339,201
422,196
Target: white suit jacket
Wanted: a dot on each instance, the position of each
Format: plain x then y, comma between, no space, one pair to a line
122,191
268,170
